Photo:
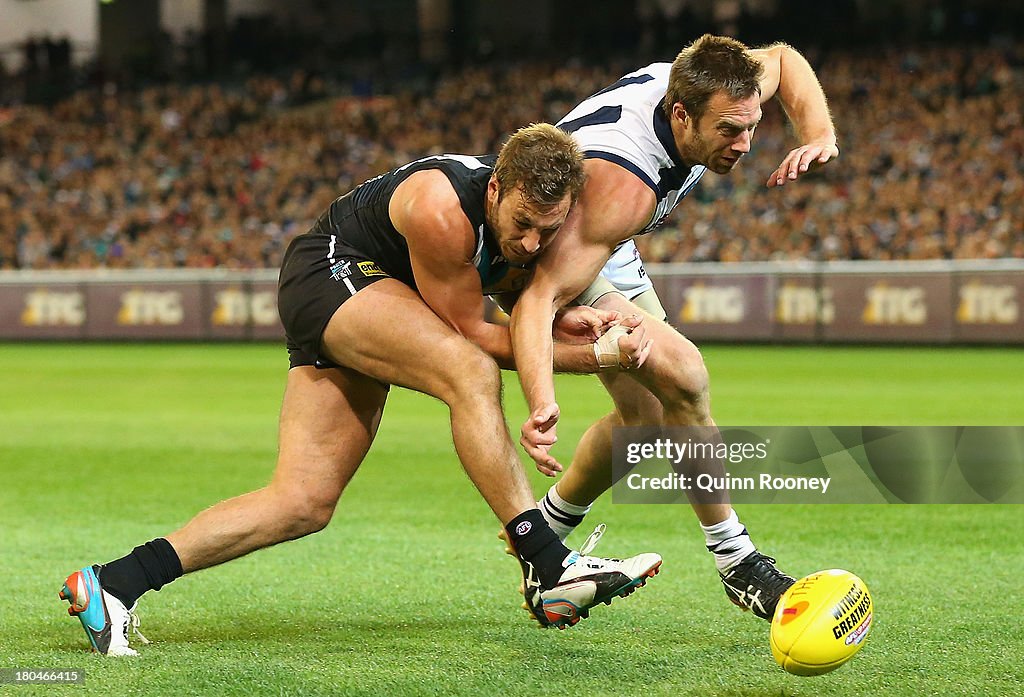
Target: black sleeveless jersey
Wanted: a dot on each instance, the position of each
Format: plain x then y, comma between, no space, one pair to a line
360,226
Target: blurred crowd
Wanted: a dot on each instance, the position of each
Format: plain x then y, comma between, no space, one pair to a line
932,163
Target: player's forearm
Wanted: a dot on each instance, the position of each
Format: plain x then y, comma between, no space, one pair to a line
575,358
496,341
533,348
803,99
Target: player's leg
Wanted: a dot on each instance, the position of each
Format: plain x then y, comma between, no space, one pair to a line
678,381
590,473
388,332
676,378
327,423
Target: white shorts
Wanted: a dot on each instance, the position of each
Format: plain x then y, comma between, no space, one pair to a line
624,273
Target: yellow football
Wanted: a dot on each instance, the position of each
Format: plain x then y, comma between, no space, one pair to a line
821,622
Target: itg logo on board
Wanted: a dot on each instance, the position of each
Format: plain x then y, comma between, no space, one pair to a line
804,304
982,303
236,307
704,303
47,308
895,305
149,307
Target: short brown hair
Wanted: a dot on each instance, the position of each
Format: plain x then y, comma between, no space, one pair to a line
711,64
545,161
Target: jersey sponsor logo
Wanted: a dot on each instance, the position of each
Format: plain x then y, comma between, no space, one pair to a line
47,308
889,305
150,307
982,303
370,268
341,269
235,307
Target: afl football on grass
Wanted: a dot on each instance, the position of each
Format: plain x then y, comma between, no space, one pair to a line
821,622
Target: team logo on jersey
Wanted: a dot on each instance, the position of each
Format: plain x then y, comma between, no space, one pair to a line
370,268
341,269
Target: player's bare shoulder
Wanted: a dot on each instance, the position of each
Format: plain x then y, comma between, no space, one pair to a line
615,204
426,209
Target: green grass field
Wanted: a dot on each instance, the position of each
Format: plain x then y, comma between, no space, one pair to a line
408,592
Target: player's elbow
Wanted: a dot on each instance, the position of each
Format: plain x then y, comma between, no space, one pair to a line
535,303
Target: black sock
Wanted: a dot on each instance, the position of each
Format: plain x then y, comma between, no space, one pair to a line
534,541
148,567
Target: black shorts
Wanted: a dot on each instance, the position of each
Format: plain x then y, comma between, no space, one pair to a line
317,277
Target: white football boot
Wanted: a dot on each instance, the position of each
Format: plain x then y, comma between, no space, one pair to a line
586,582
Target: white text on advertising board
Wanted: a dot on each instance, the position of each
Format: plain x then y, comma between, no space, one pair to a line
895,305
149,307
236,307
47,308
987,304
801,304
712,304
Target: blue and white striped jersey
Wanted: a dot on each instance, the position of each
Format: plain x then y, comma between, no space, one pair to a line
624,123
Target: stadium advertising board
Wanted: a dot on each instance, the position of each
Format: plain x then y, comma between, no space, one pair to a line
42,311
729,307
139,305
144,311
914,302
246,310
802,307
926,302
988,307
869,307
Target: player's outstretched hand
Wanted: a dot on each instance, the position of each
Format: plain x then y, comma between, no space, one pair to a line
538,435
802,160
581,324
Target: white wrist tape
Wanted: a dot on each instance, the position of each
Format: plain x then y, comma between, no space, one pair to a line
606,349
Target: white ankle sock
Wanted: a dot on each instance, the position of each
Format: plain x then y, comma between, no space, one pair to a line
562,516
728,541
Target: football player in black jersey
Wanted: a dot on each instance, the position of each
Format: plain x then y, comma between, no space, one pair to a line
387,289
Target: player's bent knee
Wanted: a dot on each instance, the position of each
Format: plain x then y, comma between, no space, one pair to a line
472,374
303,512
682,375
